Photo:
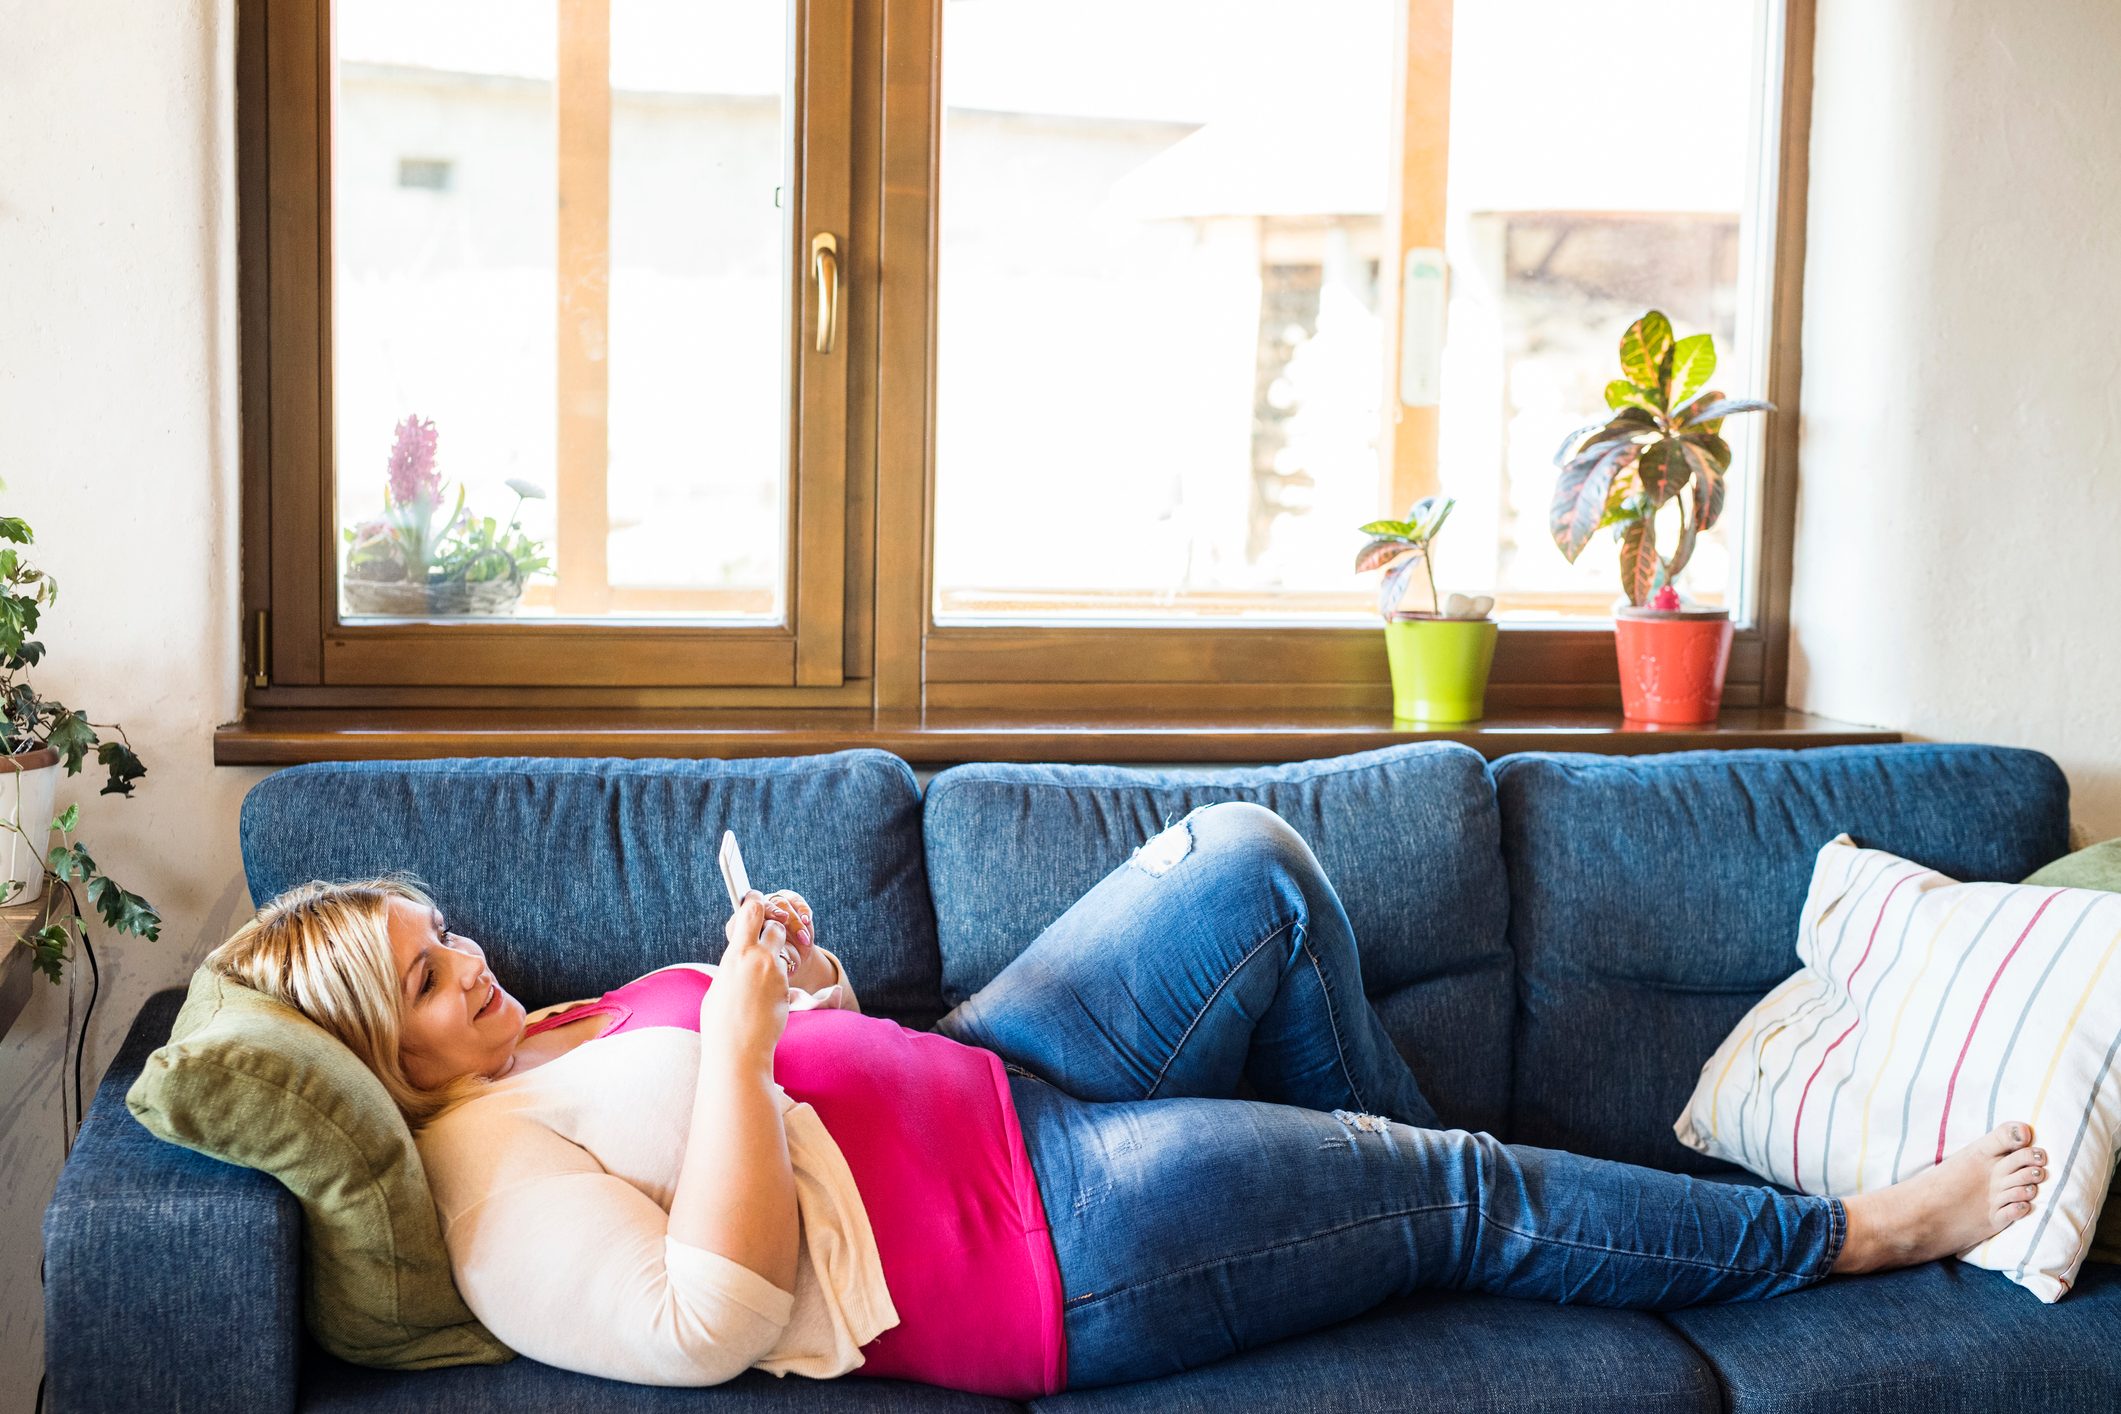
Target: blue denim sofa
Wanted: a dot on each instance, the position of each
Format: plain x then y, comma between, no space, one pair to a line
1555,941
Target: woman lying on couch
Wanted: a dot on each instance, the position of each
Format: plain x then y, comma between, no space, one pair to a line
714,1168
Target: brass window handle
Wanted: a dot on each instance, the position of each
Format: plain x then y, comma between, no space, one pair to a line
825,269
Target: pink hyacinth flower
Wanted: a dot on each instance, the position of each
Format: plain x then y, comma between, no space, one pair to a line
1666,600
412,462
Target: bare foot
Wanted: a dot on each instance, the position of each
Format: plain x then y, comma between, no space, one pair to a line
1972,1195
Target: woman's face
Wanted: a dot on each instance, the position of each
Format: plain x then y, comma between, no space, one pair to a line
458,1019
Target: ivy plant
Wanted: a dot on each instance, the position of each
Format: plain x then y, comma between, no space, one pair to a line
1663,438
34,721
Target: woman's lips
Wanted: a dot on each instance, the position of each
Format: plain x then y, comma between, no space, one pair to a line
493,997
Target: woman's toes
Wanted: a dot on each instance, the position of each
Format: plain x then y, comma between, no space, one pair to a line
2017,1170
2005,1138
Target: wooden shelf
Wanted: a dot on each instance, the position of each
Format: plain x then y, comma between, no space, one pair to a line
18,970
943,737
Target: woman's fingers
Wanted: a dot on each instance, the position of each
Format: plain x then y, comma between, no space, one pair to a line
773,938
746,919
793,911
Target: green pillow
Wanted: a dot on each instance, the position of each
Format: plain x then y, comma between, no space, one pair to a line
251,1082
2094,867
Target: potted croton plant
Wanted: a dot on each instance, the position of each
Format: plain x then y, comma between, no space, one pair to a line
1662,446
413,560
1440,658
44,739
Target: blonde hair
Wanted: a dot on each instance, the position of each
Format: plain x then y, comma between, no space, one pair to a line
324,949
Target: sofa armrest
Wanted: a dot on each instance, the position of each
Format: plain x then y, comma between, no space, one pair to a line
171,1281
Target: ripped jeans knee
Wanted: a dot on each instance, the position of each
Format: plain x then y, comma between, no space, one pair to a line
1160,852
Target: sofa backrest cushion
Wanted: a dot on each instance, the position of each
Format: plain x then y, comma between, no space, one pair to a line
1407,835
577,875
1654,899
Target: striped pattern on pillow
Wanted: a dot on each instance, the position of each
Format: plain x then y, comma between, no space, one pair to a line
1927,1012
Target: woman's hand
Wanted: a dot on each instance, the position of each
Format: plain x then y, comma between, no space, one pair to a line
792,911
808,969
746,1009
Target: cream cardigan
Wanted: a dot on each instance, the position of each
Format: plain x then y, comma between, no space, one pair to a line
554,1191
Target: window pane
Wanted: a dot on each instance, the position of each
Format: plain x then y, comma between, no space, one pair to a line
1160,357
560,249
1571,211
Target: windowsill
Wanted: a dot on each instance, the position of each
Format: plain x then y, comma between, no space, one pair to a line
943,737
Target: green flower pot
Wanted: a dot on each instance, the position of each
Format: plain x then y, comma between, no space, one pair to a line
1439,667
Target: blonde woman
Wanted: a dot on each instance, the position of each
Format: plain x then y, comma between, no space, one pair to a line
717,1167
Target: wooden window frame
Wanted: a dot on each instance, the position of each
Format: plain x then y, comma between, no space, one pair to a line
301,654
862,535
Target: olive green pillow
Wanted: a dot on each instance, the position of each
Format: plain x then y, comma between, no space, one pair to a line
2095,867
251,1082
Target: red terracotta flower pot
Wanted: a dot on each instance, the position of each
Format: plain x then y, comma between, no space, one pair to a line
1672,663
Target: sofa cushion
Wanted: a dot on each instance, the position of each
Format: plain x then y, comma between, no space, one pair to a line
2093,867
1653,899
576,875
249,1081
1407,835
1902,1033
333,1387
1439,1350
1944,1338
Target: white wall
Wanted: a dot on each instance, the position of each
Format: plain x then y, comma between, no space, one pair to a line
117,443
1959,523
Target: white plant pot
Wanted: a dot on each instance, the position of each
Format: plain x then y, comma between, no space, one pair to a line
29,796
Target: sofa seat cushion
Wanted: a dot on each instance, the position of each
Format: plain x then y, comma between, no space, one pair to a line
332,1386
1408,835
576,875
1439,1350
1939,1339
1654,899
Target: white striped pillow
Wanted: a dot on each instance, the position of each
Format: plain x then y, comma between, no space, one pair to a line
1926,1013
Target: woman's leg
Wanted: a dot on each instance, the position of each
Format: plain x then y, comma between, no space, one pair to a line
1315,1220
1219,950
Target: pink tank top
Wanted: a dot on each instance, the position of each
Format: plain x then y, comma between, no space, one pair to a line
930,1133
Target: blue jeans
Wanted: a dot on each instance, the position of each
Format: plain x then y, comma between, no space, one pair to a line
1190,1225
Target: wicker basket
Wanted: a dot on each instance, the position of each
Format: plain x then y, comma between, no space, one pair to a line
404,600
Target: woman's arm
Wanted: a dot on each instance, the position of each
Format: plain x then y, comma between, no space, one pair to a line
735,1195
835,976
575,1268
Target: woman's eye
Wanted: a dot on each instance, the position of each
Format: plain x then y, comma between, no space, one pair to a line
427,984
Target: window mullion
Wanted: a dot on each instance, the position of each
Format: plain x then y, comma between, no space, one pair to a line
1414,221
582,100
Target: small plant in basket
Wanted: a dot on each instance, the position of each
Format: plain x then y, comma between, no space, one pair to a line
414,558
43,738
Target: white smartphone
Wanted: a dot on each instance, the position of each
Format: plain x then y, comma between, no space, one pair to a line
733,873
739,883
